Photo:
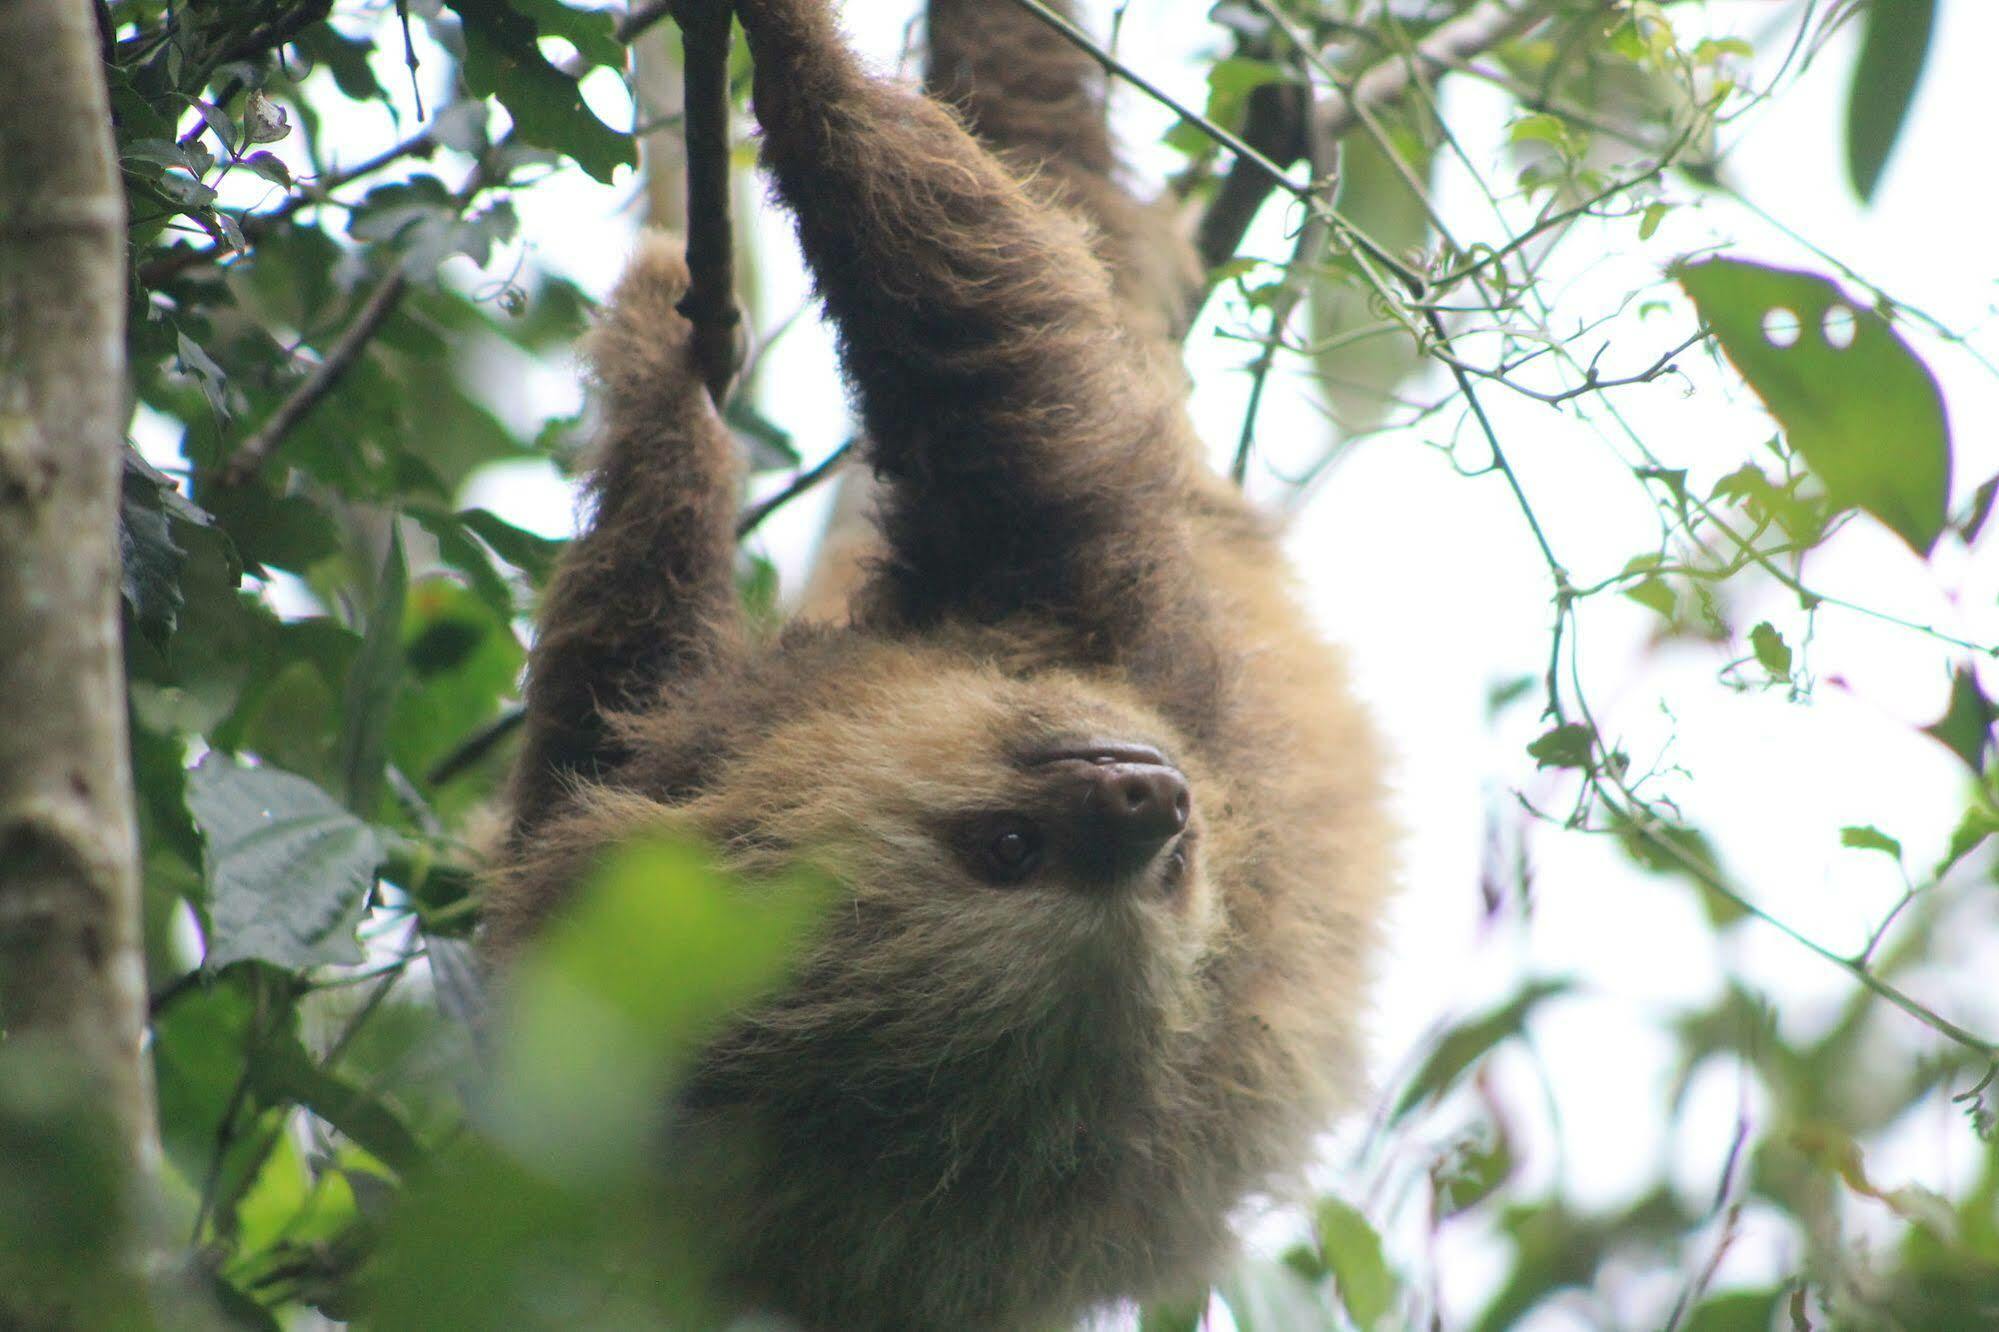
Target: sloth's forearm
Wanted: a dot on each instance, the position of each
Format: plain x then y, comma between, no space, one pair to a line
1034,460
647,591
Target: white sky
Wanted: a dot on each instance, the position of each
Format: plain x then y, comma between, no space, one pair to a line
1433,582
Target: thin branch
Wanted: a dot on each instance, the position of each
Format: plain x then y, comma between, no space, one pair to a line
253,225
754,515
1470,34
1245,154
254,452
249,459
637,20
710,303
1312,238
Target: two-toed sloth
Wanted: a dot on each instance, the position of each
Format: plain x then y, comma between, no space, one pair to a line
1106,822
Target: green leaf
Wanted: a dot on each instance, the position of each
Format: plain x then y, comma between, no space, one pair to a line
1865,837
1566,746
593,32
150,560
501,59
1737,1311
660,949
1894,46
1772,652
1649,220
1469,1042
372,683
1539,128
288,870
287,1073
1867,418
1966,725
1352,1249
533,555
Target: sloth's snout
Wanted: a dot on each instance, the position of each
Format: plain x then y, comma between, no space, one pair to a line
1125,801
1139,806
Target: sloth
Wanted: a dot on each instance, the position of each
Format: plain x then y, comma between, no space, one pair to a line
1105,821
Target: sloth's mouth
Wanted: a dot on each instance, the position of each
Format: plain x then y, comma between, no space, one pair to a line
1173,875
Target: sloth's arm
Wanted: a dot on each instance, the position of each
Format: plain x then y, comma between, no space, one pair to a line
1031,95
647,591
1037,459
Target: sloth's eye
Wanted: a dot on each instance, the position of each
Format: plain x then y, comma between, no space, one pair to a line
1012,852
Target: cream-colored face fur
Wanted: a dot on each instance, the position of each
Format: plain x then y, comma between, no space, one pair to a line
956,809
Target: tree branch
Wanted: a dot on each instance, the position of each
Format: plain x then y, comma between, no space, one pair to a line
248,460
250,457
72,968
753,517
710,303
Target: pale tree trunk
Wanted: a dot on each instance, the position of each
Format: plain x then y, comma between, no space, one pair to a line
72,974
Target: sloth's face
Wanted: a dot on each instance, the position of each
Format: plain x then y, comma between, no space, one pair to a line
1014,847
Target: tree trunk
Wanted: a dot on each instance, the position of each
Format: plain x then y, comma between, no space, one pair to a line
72,973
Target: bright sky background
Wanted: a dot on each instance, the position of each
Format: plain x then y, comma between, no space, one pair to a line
1432,580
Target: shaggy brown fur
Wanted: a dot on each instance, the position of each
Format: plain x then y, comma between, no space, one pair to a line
980,1104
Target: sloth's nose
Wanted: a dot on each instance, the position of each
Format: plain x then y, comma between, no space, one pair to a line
1140,806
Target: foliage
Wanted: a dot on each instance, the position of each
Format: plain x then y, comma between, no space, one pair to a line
324,642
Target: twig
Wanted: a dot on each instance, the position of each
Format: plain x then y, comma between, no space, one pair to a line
254,452
1312,237
249,459
157,270
754,515
637,20
1468,35
710,302
1245,154
476,746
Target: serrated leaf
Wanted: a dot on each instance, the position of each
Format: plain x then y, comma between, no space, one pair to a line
1352,1249
1894,46
150,560
1772,652
1865,837
288,870
1867,418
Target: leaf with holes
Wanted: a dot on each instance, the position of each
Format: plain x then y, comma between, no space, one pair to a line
1866,416
288,870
